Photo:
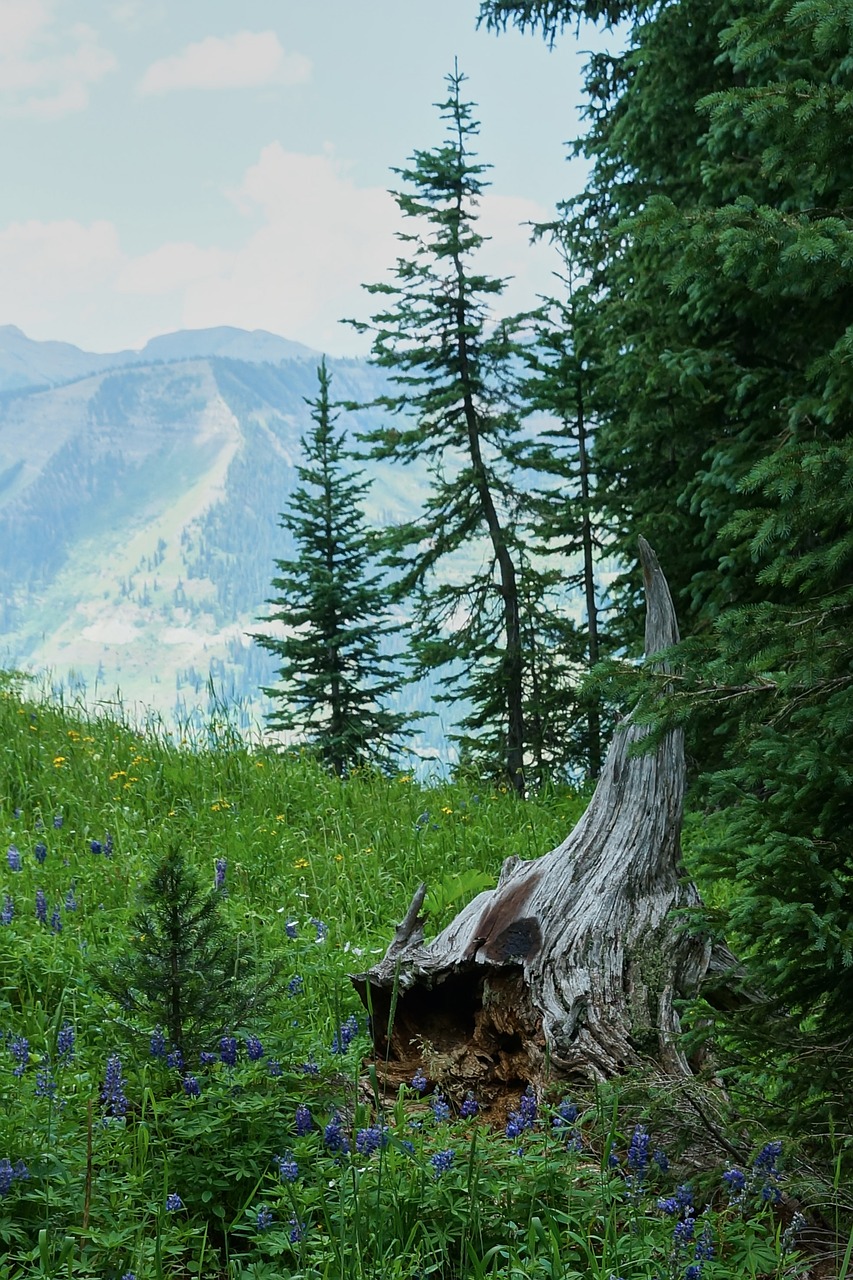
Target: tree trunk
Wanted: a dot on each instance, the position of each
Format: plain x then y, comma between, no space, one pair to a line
573,963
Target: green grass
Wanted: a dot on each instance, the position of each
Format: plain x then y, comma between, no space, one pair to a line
301,847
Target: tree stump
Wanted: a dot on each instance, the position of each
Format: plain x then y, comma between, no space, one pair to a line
572,965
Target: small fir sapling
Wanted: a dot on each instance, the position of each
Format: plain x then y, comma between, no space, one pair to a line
182,974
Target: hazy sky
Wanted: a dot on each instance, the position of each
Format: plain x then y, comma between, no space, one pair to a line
203,162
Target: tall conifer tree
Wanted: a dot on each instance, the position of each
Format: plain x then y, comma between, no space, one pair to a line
332,602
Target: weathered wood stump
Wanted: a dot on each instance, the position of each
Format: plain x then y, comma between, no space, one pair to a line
573,963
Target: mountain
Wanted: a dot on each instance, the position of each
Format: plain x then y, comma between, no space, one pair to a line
139,502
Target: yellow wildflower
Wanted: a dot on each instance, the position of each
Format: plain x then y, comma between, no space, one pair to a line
301,863
59,761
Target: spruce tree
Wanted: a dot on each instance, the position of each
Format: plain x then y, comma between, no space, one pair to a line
332,603
449,367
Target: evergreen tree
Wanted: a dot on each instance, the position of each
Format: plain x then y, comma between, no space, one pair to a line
449,367
335,673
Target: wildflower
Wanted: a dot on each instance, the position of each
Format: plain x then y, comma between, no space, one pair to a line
274,1067
13,857
7,1176
8,912
41,906
419,1081
70,898
129,1275
205,1058
59,761
95,846
300,864
765,1161
254,1048
735,1180
470,1106
704,1250
524,1117
287,1167
228,1051
334,1137
369,1140
40,851
265,1218
65,1042
175,1059
58,821
790,1233
309,1068
45,1084
303,1121
669,1205
684,1196
661,1160
683,1232
440,1108
157,1043
345,1034
56,920
112,1094
108,845
567,1113
638,1151
422,820
192,1088
291,928
321,929
173,1202
297,1230
20,1051
219,874
612,1158
294,987
441,1162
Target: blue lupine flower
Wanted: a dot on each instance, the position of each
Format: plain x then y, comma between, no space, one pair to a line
705,1244
440,1108
265,1218
765,1161
70,899
369,1140
345,1035
219,873
790,1233
297,1230
8,912
567,1113
334,1137
527,1108
612,1158
173,1202
175,1060
303,1121
112,1094
321,929
669,1205
254,1048
56,920
40,851
694,1271
45,1084
770,1192
13,857
441,1162
7,1176
309,1068
58,820
157,1043
41,906
129,1275
108,845
735,1180
291,928
683,1232
65,1042
419,1081
192,1088
95,846
274,1067
20,1051
514,1126
205,1058
661,1160
638,1151
228,1050
422,819
295,985
16,813
470,1106
287,1167
684,1195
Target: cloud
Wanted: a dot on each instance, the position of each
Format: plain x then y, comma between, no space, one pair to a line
244,60
46,70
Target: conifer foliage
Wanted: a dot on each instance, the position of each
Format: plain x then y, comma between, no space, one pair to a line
332,604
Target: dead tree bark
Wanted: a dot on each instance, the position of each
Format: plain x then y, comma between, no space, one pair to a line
574,962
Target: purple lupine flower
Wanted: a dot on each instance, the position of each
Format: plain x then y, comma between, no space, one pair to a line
219,874
419,1081
157,1043
295,985
254,1049
70,898
345,1034
683,1232
8,912
192,1088
309,1068
56,920
297,1230
470,1106
129,1275
440,1108
20,1051
41,906
291,928
705,1244
7,1176
321,929
527,1108
45,1084
766,1160
684,1195
669,1205
13,857
735,1180
441,1162
334,1137
567,1113
173,1202
95,846
112,1094
175,1060
612,1158
638,1151
274,1067
369,1140
228,1051
40,851
661,1160
206,1058
265,1218
287,1167
303,1121
58,820
65,1042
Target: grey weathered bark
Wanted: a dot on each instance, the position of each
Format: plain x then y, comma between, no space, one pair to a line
574,962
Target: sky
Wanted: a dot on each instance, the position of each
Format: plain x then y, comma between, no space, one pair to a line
192,163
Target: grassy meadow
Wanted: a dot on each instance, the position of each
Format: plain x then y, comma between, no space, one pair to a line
273,1153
